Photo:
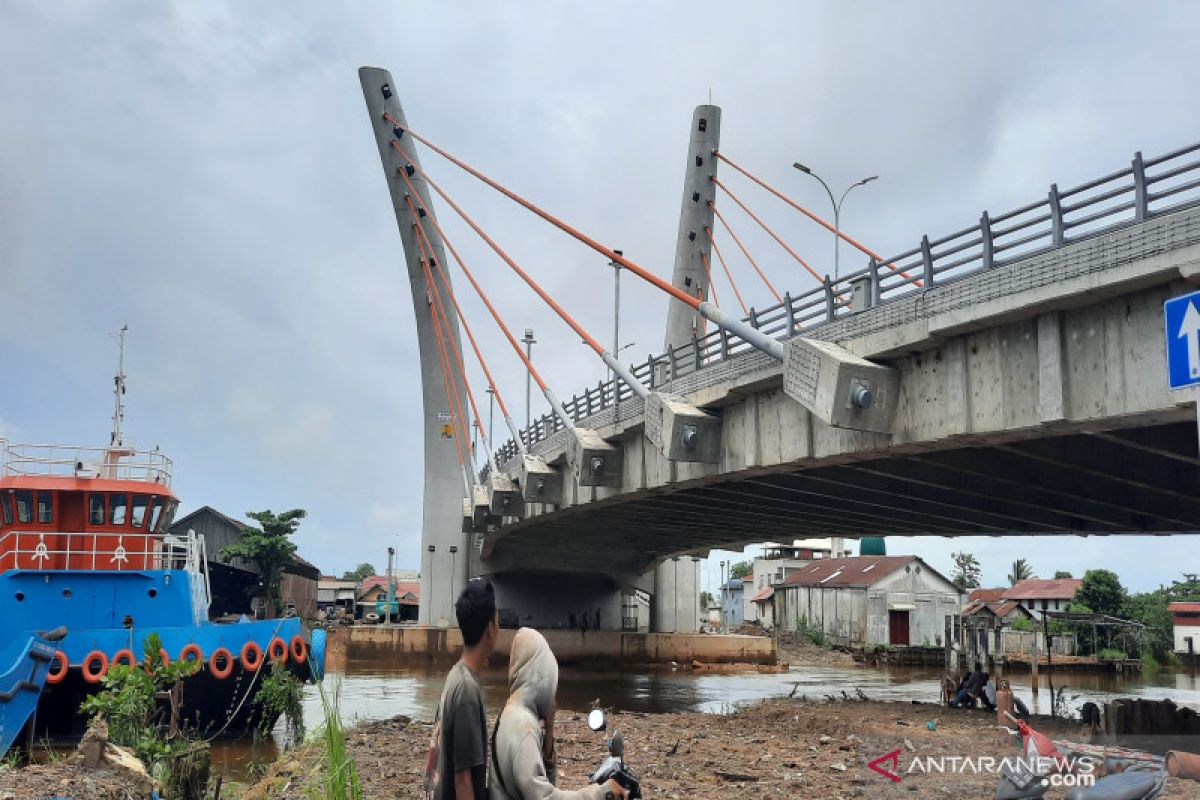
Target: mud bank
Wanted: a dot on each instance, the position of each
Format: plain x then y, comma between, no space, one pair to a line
776,749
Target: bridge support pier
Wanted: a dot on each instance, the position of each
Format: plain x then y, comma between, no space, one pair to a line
676,601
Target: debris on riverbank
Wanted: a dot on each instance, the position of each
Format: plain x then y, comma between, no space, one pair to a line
97,770
775,749
798,651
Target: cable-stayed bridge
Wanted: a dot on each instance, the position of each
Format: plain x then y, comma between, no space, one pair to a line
1008,378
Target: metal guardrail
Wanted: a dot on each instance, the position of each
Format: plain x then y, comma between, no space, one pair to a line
120,463
1146,188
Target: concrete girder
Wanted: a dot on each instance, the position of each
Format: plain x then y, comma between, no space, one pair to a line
505,499
838,387
540,482
595,462
681,431
1072,497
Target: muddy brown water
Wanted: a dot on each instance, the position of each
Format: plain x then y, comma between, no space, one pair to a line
376,687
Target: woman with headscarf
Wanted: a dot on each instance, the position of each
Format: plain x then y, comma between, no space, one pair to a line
522,755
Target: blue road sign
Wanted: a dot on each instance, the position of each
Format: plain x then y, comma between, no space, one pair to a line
1182,318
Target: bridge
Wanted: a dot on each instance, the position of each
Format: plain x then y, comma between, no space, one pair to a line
1008,378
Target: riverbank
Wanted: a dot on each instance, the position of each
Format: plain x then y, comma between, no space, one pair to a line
774,749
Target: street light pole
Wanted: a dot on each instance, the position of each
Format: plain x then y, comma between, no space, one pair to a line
529,343
453,550
491,409
616,328
837,211
432,550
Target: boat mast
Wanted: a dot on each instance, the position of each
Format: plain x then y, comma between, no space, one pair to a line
119,389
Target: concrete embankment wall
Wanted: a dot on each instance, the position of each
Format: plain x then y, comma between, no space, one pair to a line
571,647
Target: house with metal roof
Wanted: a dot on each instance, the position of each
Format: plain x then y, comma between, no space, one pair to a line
1044,594
896,600
1185,618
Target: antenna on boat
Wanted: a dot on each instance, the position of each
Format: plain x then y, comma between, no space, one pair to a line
119,388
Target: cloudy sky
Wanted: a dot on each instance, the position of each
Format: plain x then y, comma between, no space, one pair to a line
205,172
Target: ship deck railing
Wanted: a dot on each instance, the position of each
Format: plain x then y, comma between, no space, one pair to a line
100,550
117,463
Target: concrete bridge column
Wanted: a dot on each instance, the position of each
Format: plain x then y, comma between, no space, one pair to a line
695,215
676,602
444,547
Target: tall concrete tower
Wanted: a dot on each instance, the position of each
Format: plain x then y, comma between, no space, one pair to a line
443,569
693,247
677,580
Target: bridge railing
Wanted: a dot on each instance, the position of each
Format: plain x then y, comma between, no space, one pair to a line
1148,187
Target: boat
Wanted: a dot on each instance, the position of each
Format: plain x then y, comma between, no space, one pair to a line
84,544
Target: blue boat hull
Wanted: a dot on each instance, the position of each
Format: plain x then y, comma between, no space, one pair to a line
107,612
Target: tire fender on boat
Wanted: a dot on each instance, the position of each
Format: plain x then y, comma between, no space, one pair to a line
252,656
124,656
299,649
56,676
193,650
88,660
278,650
166,659
221,672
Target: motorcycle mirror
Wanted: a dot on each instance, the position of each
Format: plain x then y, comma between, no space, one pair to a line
616,745
596,720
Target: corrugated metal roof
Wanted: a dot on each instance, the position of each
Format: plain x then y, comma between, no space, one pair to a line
858,571
1044,588
765,594
988,595
1179,607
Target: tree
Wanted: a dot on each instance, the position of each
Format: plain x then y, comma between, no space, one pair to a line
1020,571
741,569
706,600
269,548
1062,573
1101,591
363,570
967,571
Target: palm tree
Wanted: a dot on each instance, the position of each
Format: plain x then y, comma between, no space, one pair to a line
1020,571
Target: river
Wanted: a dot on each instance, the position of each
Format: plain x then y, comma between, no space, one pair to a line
372,688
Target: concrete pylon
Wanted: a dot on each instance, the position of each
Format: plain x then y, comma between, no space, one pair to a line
441,517
695,215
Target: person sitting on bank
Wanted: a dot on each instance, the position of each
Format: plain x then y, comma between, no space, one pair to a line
972,688
456,764
522,754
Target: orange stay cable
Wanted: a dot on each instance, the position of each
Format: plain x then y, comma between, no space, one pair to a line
712,287
608,252
448,384
432,287
462,317
550,301
745,252
837,232
767,228
474,283
728,274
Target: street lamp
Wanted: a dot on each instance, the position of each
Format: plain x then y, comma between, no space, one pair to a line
453,550
837,210
529,343
432,549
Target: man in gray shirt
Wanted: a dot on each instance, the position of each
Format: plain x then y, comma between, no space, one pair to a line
459,747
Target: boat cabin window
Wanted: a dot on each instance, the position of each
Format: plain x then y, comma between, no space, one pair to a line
117,508
96,509
24,506
169,515
6,502
156,514
139,510
45,508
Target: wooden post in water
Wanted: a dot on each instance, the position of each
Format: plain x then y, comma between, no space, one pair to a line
1049,662
1033,663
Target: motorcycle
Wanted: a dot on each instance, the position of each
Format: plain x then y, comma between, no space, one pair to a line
1028,778
613,767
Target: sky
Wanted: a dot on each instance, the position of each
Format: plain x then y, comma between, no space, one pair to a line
205,172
